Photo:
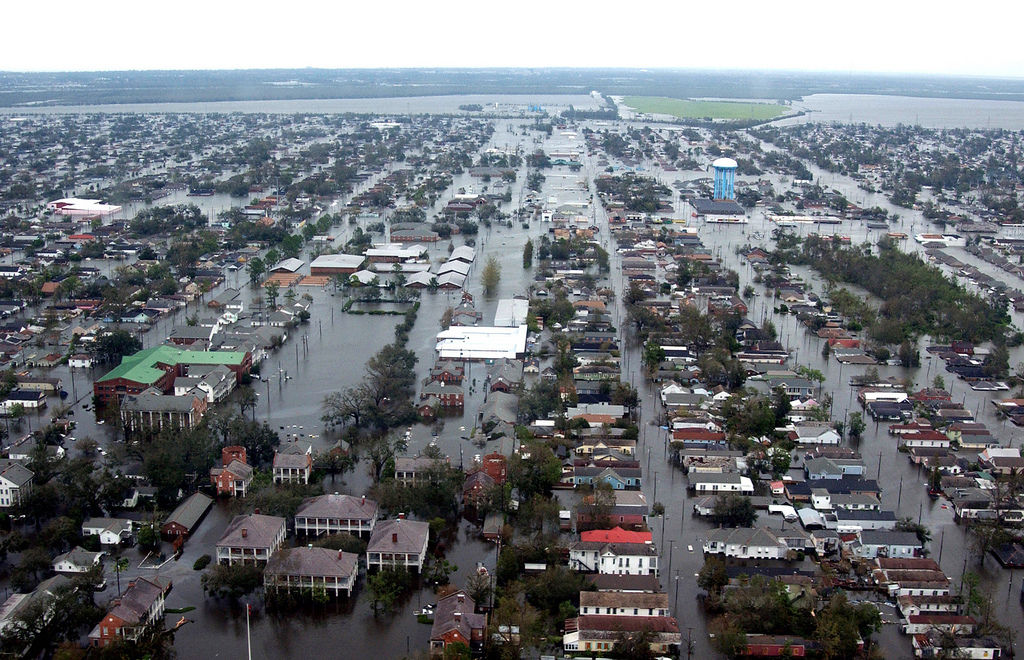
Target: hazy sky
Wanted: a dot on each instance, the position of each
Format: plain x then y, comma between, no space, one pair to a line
892,36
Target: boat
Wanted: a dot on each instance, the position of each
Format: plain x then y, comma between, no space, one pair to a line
201,192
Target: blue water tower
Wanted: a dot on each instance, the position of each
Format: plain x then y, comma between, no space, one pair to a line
725,178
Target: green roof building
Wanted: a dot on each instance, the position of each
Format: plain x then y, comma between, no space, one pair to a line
159,366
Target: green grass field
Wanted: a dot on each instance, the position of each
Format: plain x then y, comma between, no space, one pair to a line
685,109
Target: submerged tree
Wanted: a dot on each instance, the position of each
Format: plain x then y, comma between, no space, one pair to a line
491,275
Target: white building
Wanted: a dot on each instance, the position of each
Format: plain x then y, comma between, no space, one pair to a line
481,343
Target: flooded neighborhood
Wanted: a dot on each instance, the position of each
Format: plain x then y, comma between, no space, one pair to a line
510,376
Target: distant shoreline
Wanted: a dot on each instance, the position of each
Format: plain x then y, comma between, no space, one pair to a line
33,90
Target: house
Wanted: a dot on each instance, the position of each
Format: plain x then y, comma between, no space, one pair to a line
775,646
720,482
234,475
933,644
15,483
152,410
184,519
293,463
456,622
80,361
311,569
629,510
886,543
814,433
449,395
953,624
1001,460
27,399
330,514
617,558
447,371
111,531
76,560
598,632
398,542
253,538
911,577
476,485
619,478
139,607
410,471
618,603
45,593
746,543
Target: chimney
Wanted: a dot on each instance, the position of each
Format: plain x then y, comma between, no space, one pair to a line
461,597
340,553
363,501
245,533
394,538
457,616
401,516
257,512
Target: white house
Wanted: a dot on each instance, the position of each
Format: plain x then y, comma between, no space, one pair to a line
15,483
112,531
885,543
745,543
614,558
721,482
814,433
77,560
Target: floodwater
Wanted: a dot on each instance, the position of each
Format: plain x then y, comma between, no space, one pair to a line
918,111
337,346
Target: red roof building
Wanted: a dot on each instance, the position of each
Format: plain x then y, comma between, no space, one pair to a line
615,535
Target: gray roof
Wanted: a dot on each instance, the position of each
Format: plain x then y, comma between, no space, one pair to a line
314,562
15,472
79,557
291,265
748,536
190,511
136,601
410,535
716,206
259,531
338,506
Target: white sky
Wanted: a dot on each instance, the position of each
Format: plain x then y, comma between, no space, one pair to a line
894,36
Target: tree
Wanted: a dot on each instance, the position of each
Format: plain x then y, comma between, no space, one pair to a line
528,254
478,586
234,581
713,576
272,289
491,275
654,355
856,425
350,403
246,399
256,269
381,449
734,510
386,586
113,345
148,536
841,626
